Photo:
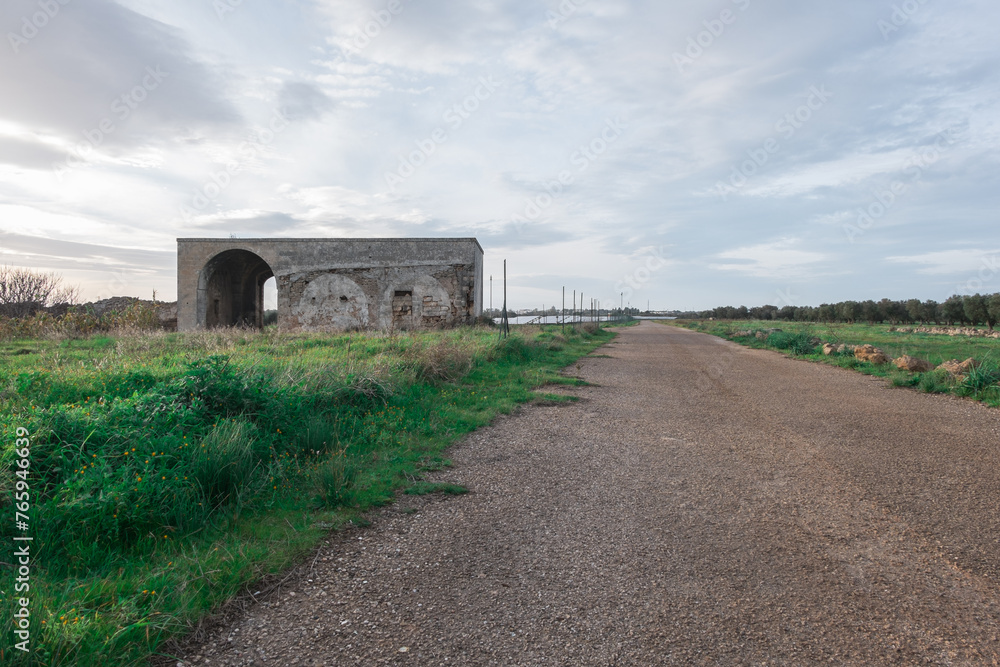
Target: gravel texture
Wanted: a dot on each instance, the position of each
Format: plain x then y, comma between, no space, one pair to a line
702,503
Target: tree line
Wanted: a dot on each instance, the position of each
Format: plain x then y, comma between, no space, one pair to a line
969,310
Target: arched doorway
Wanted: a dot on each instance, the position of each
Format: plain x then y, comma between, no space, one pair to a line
231,290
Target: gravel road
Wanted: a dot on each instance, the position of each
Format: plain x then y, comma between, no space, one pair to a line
702,503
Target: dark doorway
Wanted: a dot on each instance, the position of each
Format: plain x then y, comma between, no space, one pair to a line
231,290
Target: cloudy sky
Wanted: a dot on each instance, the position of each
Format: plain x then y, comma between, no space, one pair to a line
689,154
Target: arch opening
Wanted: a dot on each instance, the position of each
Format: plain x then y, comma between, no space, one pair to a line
231,290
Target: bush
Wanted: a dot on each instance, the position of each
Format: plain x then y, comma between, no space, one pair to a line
979,379
442,361
798,343
935,382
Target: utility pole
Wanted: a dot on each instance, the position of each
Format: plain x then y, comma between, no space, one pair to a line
504,322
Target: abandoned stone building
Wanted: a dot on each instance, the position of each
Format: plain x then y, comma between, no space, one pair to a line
325,284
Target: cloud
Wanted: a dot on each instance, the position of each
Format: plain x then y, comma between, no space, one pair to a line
91,64
775,259
951,262
303,101
26,153
246,223
27,250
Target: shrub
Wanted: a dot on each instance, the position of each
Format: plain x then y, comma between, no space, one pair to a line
335,480
442,361
798,343
979,379
935,382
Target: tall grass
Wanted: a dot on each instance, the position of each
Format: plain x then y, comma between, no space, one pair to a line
169,471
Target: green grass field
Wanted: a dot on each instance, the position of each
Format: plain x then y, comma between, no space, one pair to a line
804,339
169,472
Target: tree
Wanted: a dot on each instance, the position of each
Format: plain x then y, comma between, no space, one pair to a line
993,309
915,310
975,309
953,310
23,291
787,313
871,312
848,311
931,311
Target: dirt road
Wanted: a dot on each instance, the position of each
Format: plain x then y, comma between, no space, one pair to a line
702,504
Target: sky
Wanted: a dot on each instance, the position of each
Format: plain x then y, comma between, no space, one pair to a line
674,153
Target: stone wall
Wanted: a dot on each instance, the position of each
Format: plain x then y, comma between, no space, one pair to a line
328,284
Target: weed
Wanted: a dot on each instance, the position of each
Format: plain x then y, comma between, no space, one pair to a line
934,382
979,379
797,343
335,479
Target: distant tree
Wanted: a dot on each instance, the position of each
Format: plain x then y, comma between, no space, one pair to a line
848,311
870,312
826,313
23,291
787,313
974,306
894,311
953,310
805,314
930,311
993,309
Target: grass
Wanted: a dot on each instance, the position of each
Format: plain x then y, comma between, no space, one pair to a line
171,471
804,339
423,488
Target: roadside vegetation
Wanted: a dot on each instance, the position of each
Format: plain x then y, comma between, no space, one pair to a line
170,472
980,381
969,309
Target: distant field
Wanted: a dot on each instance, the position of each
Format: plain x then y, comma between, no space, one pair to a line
170,471
935,348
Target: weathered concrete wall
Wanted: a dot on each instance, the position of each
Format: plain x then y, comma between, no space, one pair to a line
330,283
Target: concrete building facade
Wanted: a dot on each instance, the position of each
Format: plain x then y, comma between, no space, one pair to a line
326,284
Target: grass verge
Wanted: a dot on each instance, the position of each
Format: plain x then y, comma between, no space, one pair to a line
804,340
169,472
